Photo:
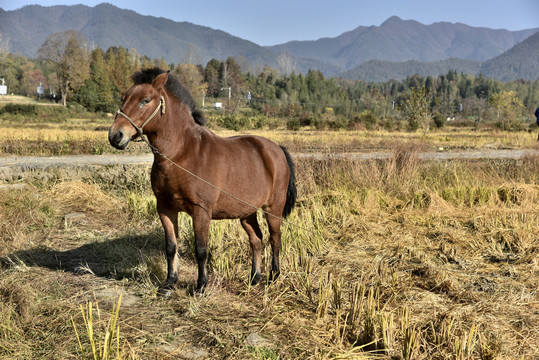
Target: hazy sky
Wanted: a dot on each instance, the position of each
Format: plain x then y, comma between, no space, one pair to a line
277,21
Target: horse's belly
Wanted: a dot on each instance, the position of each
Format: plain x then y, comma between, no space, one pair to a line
218,214
238,206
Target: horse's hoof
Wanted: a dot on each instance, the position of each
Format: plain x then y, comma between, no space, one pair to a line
201,285
164,293
200,290
255,279
273,276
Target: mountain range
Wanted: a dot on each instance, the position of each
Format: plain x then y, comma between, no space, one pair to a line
395,49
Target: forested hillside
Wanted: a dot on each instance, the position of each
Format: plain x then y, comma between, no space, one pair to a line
519,62
379,70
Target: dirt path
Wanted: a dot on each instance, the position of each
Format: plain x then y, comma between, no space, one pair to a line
29,163
436,156
43,162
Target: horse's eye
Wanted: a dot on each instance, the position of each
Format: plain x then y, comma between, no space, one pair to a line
146,101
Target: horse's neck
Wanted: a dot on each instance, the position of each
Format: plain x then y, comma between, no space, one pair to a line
175,131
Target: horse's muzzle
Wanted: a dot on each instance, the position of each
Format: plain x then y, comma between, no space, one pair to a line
118,138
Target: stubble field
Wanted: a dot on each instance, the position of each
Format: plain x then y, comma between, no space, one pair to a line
397,258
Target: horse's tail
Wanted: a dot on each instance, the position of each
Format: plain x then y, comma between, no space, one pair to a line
291,192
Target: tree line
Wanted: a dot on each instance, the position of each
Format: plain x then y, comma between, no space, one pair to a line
96,79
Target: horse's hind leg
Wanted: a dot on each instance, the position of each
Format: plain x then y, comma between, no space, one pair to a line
274,225
250,225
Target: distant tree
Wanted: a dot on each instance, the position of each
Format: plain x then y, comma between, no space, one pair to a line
97,92
484,88
452,75
134,58
429,85
147,63
417,109
465,86
68,53
262,86
99,74
531,96
211,77
31,79
12,70
314,79
192,79
286,64
508,106
161,63
121,64
414,81
230,75
475,107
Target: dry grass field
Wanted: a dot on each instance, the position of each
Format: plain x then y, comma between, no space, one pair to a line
83,136
382,259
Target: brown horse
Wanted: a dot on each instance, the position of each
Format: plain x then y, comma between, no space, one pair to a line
202,174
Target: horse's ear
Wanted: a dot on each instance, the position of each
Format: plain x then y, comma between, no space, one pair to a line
160,80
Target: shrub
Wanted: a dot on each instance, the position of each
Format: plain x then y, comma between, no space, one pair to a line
293,124
390,124
234,122
328,120
306,118
19,109
367,118
339,123
258,121
319,122
439,120
510,125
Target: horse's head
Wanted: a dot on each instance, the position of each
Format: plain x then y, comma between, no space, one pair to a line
143,104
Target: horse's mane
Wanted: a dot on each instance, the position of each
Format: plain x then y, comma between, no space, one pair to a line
147,76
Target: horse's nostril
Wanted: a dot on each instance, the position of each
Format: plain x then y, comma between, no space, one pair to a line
118,137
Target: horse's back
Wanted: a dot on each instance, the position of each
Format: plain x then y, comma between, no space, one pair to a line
251,150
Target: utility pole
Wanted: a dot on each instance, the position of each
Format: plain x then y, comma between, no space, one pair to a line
229,91
3,87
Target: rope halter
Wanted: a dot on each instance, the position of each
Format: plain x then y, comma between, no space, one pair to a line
139,129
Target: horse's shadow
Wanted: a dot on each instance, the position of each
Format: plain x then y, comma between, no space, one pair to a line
116,258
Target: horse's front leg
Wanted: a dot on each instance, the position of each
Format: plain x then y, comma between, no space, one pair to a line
169,220
201,227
